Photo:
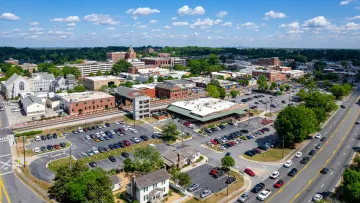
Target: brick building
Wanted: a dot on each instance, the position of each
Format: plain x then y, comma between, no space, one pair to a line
12,61
273,61
124,96
85,102
172,91
117,56
164,55
272,76
149,50
156,61
96,82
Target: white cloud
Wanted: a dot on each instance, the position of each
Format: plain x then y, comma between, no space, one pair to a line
196,34
346,2
142,26
156,30
135,13
217,21
167,27
292,28
352,26
206,23
209,37
111,28
153,21
250,25
180,23
186,10
227,24
101,19
69,19
34,23
93,34
58,32
273,14
17,30
69,28
9,16
317,22
354,18
71,24
221,14
35,29
174,18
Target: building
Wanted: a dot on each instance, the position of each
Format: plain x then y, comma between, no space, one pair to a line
281,68
41,82
172,91
272,76
207,110
96,82
180,83
149,50
14,86
220,75
157,61
85,102
203,82
151,187
32,106
70,81
177,74
116,182
124,96
177,61
180,156
273,61
52,102
29,66
136,63
60,83
294,73
164,55
12,61
141,107
93,67
117,56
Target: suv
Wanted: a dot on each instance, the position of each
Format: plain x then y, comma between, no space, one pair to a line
305,160
126,143
292,172
258,187
95,150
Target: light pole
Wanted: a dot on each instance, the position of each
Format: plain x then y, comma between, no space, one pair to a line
24,150
249,116
70,158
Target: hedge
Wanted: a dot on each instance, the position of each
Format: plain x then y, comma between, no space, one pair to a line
34,132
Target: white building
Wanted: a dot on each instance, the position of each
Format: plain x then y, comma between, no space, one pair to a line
33,106
93,67
15,85
151,187
41,82
177,74
177,61
294,73
141,107
136,63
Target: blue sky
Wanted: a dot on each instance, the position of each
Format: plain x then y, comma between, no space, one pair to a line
252,23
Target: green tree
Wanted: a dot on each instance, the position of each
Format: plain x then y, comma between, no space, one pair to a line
295,123
147,159
273,85
127,84
320,113
220,77
344,64
179,67
222,92
79,88
128,165
351,185
213,59
103,88
234,93
160,79
212,91
27,73
322,100
14,69
55,71
59,91
120,66
70,91
301,94
262,82
340,91
99,73
184,179
319,66
151,79
107,73
227,162
302,80
282,88
91,74
170,131
311,85
43,67
287,87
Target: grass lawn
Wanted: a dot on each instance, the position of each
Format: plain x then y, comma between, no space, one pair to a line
273,154
128,120
54,165
29,152
219,196
256,112
151,120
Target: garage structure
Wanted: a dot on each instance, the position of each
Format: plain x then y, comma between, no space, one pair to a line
32,106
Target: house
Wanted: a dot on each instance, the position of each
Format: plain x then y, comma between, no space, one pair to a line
32,106
60,83
15,85
116,182
180,156
151,187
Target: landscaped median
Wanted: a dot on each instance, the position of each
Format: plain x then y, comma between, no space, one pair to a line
271,155
30,152
54,165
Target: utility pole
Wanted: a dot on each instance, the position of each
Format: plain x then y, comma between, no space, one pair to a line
24,150
70,158
270,107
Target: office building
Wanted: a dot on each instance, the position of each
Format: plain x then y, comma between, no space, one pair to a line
41,82
96,82
12,61
93,67
141,107
117,56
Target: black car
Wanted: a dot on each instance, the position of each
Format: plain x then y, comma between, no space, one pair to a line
43,148
258,187
49,147
107,124
283,101
312,152
305,160
125,154
43,137
293,172
243,100
342,106
323,139
266,129
263,147
92,136
54,136
250,153
101,149
63,144
324,170
121,144
93,127
208,130
230,180
154,136
111,147
93,164
49,136
144,137
273,106
244,131
219,174
112,158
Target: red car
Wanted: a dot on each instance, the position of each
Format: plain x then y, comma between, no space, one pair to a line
214,142
232,143
86,129
187,124
56,146
126,143
249,172
213,171
279,184
121,130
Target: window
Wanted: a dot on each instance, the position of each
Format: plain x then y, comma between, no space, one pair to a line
145,189
84,102
108,99
100,100
21,86
163,182
77,104
72,110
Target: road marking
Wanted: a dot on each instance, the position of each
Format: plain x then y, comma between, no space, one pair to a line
344,154
331,173
310,199
6,173
310,160
348,147
338,163
322,185
3,189
5,155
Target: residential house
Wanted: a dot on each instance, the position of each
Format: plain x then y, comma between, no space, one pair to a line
180,156
15,85
116,182
60,83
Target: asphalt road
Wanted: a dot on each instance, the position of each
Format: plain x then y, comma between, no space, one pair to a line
337,131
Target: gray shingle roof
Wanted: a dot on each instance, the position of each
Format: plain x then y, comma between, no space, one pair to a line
11,79
165,86
170,156
46,76
151,178
115,179
125,91
27,101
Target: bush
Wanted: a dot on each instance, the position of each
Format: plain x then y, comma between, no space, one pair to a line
34,132
170,193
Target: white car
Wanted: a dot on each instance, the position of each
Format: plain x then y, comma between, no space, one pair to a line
205,193
274,175
87,137
318,136
36,150
298,154
152,145
317,198
95,150
116,123
264,194
133,130
288,163
80,130
135,139
37,138
222,147
210,144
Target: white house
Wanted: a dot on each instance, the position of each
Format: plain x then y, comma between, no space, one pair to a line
15,85
116,182
41,82
33,106
151,187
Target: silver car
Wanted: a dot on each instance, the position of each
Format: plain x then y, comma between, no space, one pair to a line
244,197
205,193
193,187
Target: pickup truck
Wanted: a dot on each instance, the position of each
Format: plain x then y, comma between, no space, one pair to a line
264,194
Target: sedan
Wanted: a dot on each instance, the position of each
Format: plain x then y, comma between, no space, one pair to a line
36,150
324,170
305,160
312,152
318,146
93,164
298,154
193,187
135,139
49,147
144,137
43,137
317,198
292,172
89,152
323,139
112,158
274,175
125,154
279,184
258,187
43,148
249,172
230,180
318,136
62,145
205,193
245,196
288,163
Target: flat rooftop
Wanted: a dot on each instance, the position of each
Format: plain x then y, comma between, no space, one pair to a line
104,78
83,96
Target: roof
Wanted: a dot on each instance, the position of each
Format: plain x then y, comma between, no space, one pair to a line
12,79
45,76
166,86
115,179
83,96
53,99
104,78
171,155
27,101
127,92
151,178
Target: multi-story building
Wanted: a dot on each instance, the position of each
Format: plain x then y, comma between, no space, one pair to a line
164,55
96,82
203,82
124,96
136,63
29,66
93,67
141,107
272,76
172,91
41,82
294,73
14,86
149,50
273,61
62,83
117,56
85,102
12,61
177,61
156,61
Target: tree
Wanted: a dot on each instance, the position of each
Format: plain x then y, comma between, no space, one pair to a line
234,93
311,85
227,162
262,82
212,91
160,79
107,73
302,80
179,67
79,88
12,70
147,159
127,84
339,91
287,87
27,73
351,185
213,59
344,64
43,67
99,73
120,66
184,179
295,123
91,74
56,71
273,85
103,88
151,79
222,92
301,94
319,66
321,100
281,88
220,77
70,91
320,113
113,86
170,131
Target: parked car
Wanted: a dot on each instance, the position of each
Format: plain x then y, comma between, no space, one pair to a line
43,137
193,187
112,158
279,184
230,180
49,136
144,137
36,150
292,172
135,139
205,193
49,147
95,150
219,174
244,197
126,143
93,164
62,144
89,152
37,138
249,172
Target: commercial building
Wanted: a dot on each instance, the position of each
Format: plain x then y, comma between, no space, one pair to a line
164,55
60,83
273,61
151,187
141,107
32,106
294,73
207,110
96,82
93,67
172,91
29,66
14,86
52,102
203,82
117,56
222,75
12,61
180,83
124,96
177,74
272,76
41,82
136,63
85,102
149,50
161,62
177,61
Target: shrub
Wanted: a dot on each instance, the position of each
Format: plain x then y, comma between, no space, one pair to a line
34,132
170,193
